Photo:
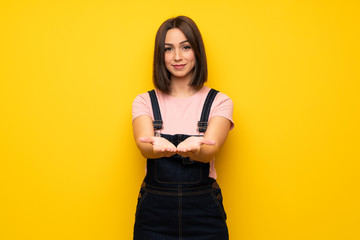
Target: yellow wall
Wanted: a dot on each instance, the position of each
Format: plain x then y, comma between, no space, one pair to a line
70,70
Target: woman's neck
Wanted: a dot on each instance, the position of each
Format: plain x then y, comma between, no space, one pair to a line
180,88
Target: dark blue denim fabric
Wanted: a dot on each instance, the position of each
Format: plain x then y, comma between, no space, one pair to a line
178,200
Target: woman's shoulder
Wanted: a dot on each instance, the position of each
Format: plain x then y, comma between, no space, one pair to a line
223,97
220,96
141,105
141,100
223,106
143,96
201,94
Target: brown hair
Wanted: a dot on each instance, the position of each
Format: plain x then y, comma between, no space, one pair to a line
161,76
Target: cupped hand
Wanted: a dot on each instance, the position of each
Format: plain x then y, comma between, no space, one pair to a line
161,146
191,146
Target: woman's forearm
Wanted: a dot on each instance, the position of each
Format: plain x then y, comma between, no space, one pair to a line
146,149
206,154
218,130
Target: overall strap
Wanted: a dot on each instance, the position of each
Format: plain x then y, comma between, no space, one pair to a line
202,124
157,123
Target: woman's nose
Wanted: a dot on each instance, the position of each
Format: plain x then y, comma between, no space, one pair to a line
177,55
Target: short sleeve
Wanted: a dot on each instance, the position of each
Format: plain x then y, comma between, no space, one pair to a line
222,106
141,106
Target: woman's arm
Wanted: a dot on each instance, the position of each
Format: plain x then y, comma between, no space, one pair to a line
204,151
150,146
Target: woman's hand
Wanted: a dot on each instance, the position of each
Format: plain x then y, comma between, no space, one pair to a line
191,146
217,130
161,146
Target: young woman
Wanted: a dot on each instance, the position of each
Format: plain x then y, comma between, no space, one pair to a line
179,127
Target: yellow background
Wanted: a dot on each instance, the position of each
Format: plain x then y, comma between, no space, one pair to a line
70,70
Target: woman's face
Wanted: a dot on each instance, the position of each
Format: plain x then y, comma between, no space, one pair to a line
179,56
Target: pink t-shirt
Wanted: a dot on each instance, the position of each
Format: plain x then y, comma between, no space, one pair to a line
181,115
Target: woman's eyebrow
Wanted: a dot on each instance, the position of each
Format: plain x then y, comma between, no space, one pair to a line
180,42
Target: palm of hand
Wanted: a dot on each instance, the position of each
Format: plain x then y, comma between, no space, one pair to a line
188,148
161,144
191,145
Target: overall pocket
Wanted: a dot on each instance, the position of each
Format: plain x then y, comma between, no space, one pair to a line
171,170
218,200
141,198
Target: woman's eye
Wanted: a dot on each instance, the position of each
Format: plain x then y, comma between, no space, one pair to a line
186,47
167,49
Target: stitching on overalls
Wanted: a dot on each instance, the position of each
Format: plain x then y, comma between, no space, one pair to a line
222,213
159,181
177,193
180,213
191,188
140,203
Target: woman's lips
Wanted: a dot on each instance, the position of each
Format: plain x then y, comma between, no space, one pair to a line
179,66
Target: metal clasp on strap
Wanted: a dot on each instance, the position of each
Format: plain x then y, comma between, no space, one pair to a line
202,126
157,124
203,123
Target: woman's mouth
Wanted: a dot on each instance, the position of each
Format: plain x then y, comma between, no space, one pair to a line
179,66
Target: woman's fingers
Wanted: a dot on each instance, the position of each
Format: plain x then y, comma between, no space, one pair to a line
160,145
186,148
165,149
190,146
195,142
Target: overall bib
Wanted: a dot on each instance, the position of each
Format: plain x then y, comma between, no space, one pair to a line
178,200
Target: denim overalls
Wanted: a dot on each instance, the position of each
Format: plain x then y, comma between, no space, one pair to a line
178,200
